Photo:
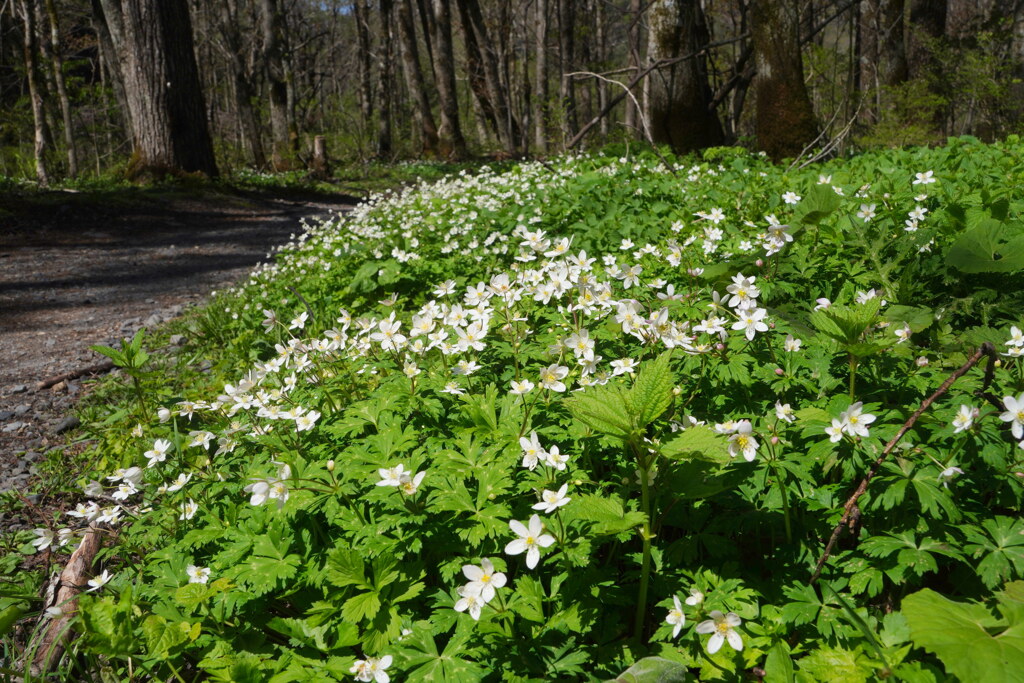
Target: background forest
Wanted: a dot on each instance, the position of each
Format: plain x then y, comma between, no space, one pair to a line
145,87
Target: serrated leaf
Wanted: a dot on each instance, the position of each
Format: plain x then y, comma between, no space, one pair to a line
162,635
971,643
817,204
603,409
607,513
700,443
652,392
361,606
990,246
345,568
652,670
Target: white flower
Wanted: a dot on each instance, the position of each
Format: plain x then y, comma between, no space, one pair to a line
792,343
751,322
696,597
784,412
1016,337
551,377
409,484
854,422
964,419
902,333
306,421
472,602
98,582
835,431
372,670
867,212
521,387
158,453
791,198
189,509
924,178
532,451
197,574
743,441
391,476
623,366
531,539
721,627
553,458
949,474
45,538
675,617
483,580
552,500
1014,414
822,303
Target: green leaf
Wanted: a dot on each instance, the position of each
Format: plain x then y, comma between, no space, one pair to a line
700,443
837,665
361,606
990,246
972,643
778,667
607,513
918,318
161,635
652,670
652,392
603,409
817,204
345,568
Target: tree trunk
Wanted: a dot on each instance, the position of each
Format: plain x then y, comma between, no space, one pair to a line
170,132
285,138
891,46
784,120
363,54
35,92
386,76
414,79
451,142
635,14
62,92
494,93
680,94
244,92
110,33
566,63
927,30
540,76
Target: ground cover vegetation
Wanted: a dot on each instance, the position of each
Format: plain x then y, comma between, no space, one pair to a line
590,418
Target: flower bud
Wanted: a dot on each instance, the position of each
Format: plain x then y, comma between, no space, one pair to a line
759,263
780,372
330,465
921,362
719,346
775,440
676,390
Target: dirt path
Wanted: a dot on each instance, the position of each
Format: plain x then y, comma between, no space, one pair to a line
76,273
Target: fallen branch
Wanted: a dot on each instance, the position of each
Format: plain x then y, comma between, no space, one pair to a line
986,349
95,369
57,630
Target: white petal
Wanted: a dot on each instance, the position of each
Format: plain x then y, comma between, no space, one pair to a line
734,639
515,547
715,643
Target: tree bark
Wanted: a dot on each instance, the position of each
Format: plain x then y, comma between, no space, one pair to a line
35,91
634,37
62,92
363,54
679,94
540,76
493,95
414,79
566,62
784,120
386,76
451,142
284,135
170,133
245,93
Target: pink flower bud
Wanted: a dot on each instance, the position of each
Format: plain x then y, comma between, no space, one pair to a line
719,346
775,441
759,263
780,372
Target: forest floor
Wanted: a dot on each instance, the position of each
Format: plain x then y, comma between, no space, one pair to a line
79,270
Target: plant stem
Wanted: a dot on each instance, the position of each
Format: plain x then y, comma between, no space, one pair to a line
853,373
645,565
